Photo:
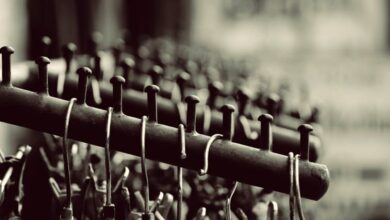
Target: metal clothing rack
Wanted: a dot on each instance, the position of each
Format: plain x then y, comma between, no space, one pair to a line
135,104
39,111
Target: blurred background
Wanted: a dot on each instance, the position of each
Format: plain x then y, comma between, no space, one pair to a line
334,54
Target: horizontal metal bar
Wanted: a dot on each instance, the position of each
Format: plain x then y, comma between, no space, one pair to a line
226,159
135,104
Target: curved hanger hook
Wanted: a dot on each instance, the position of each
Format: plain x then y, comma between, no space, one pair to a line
291,184
122,180
229,199
205,168
183,155
143,164
295,192
182,141
297,188
68,201
107,155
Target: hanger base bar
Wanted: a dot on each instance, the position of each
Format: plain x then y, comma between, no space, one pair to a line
135,105
226,159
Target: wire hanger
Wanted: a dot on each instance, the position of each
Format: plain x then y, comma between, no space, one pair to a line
228,133
183,156
152,117
108,212
203,171
11,185
295,192
145,179
122,200
67,212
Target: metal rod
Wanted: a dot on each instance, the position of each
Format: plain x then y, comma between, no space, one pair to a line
135,104
227,159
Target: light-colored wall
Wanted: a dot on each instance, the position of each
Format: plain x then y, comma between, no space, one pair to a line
13,26
292,26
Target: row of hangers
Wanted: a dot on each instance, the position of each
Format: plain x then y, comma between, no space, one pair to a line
145,210
173,111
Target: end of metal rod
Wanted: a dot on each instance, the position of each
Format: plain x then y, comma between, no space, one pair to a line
227,121
273,101
97,67
127,66
94,41
117,50
84,73
214,91
305,131
266,131
155,73
191,101
152,91
181,81
68,52
117,90
243,99
45,45
42,63
6,53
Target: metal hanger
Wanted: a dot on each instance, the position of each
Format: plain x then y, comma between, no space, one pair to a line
147,214
151,91
183,155
11,185
108,211
67,212
122,200
228,133
203,171
291,184
295,193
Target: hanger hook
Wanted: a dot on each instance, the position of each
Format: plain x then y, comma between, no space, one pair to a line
122,180
182,141
229,199
67,212
291,184
183,155
107,155
108,211
205,168
297,189
228,133
143,164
